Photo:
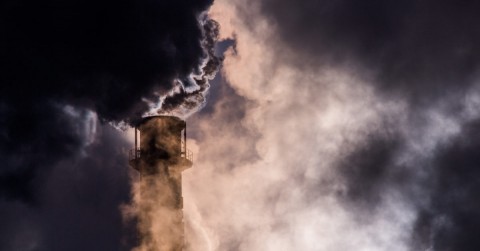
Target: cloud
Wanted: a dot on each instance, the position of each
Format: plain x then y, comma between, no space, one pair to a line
449,222
77,202
420,49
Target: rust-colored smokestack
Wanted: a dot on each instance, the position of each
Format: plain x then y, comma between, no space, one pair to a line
160,158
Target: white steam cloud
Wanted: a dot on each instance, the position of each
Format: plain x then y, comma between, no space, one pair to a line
270,179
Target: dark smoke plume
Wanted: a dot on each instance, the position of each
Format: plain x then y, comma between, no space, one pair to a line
111,57
191,100
66,65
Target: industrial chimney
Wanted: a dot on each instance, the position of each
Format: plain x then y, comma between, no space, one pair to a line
160,157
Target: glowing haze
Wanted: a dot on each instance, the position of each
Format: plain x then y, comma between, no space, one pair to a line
333,132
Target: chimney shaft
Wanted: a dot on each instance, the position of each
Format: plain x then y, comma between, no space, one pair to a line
160,159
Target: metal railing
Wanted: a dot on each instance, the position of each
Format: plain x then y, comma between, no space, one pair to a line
187,155
135,154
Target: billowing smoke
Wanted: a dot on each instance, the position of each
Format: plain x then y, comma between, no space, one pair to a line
341,125
68,68
189,96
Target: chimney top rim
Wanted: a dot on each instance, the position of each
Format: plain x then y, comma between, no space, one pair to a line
147,118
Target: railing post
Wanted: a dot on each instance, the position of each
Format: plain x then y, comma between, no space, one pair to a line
185,139
135,128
